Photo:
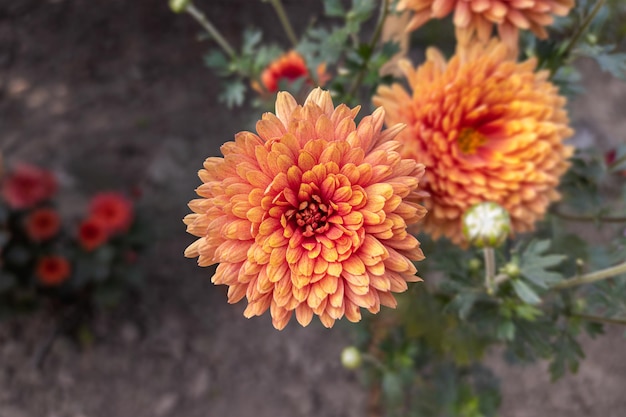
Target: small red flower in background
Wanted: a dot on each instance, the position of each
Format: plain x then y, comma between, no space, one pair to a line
27,186
92,233
610,157
53,270
290,66
42,224
113,210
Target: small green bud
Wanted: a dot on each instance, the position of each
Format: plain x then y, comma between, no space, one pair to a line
511,269
486,225
179,6
592,38
351,358
474,264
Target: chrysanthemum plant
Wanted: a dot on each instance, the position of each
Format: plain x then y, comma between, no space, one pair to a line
67,266
462,155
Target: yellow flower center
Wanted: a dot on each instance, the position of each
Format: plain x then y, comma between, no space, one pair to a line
470,140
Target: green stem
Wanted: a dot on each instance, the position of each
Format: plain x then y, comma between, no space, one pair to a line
490,268
208,26
607,320
591,277
284,20
384,11
588,218
373,360
583,27
500,279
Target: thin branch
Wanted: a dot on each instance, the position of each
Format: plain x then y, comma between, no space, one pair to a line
384,11
208,26
500,279
373,360
284,20
583,27
591,277
608,320
587,218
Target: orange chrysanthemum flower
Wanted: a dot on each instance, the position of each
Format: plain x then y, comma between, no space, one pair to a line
42,224
52,270
478,16
310,214
487,129
92,233
113,210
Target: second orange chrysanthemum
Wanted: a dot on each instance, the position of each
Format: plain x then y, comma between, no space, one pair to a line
309,215
479,16
487,128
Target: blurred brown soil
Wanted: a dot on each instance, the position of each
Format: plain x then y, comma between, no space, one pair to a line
113,94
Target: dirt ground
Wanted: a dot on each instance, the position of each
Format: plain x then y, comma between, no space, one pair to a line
113,94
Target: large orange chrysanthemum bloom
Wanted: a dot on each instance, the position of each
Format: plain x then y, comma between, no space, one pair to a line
487,128
478,16
309,214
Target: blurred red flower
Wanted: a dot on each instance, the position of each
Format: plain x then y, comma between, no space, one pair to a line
27,186
42,224
53,270
290,66
92,233
113,210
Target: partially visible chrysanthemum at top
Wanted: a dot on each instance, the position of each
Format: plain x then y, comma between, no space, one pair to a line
289,67
477,17
309,215
487,128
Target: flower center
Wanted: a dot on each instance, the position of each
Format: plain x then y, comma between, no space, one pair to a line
470,140
312,216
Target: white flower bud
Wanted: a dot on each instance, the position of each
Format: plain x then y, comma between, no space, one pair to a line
179,6
486,224
351,357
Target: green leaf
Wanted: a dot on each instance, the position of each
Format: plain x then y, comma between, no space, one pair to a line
392,388
567,357
251,38
233,94
527,312
216,59
534,265
525,293
463,303
608,60
333,8
506,330
362,9
615,64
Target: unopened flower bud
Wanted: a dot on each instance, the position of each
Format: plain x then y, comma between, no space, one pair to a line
351,357
486,224
511,269
474,264
179,6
